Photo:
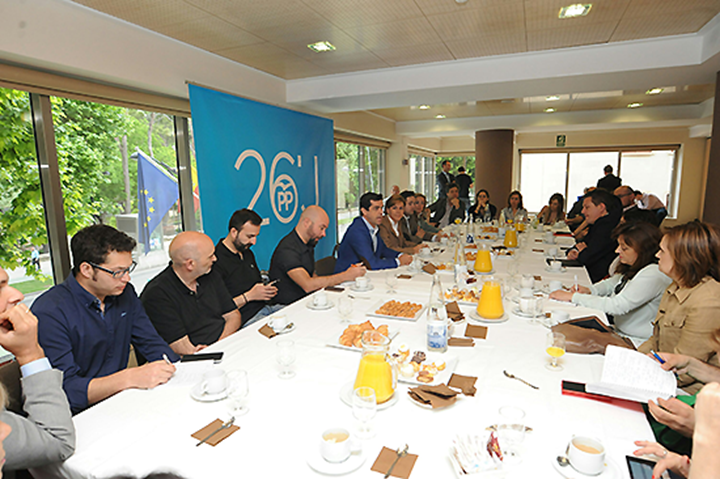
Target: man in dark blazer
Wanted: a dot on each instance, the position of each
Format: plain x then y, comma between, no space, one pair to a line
444,179
597,251
446,210
609,182
362,244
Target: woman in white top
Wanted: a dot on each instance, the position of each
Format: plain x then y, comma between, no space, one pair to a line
515,210
392,228
632,295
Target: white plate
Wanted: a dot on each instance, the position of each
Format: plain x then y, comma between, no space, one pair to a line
311,305
476,317
392,334
317,463
197,394
371,312
346,396
429,406
611,471
441,377
461,302
370,287
287,330
562,270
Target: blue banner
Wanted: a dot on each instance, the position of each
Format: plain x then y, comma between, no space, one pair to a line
269,159
157,193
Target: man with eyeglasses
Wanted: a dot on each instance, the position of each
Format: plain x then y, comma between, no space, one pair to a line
87,324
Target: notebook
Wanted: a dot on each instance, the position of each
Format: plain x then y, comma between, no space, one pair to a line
632,375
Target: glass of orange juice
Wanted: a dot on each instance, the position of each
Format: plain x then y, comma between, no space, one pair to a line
555,347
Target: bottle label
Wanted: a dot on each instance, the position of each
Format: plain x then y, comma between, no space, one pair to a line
437,335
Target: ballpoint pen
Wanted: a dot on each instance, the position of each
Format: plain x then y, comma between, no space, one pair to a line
167,360
657,356
575,286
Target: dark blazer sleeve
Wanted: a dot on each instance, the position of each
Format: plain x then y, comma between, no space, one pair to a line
359,242
599,243
47,434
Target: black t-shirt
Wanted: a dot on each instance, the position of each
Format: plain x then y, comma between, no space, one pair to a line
291,253
239,274
463,181
176,311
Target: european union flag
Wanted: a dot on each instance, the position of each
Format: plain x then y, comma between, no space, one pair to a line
157,193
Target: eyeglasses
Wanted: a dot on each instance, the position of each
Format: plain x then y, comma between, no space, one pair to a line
115,274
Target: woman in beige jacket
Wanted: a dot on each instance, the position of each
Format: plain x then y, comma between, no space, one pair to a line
393,228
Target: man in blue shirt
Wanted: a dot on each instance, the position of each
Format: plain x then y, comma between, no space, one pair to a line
361,242
87,323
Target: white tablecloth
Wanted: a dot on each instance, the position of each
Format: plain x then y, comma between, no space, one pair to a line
138,432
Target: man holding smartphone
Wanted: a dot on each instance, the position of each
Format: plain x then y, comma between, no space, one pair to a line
238,269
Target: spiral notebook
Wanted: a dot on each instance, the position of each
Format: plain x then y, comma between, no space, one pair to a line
632,375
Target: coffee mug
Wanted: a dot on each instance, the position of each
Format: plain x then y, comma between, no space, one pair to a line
278,322
527,281
214,381
555,285
361,282
526,292
336,445
549,237
556,265
586,455
527,305
559,316
320,299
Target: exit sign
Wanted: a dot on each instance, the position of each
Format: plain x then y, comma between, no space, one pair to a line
560,141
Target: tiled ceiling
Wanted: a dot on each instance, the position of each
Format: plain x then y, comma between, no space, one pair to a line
272,35
671,95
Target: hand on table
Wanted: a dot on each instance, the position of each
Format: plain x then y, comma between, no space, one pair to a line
572,254
667,460
580,246
418,247
560,295
405,259
355,271
261,292
675,414
151,374
18,334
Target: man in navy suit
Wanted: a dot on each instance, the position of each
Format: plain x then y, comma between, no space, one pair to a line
361,240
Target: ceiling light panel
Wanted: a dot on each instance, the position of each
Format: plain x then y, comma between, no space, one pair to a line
576,10
323,46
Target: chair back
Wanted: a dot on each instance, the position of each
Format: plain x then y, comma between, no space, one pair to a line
10,378
325,266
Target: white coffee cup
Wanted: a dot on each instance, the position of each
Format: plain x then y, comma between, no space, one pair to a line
586,455
527,281
214,381
278,322
527,305
526,292
556,265
555,285
553,251
444,240
361,282
336,445
559,316
549,237
320,299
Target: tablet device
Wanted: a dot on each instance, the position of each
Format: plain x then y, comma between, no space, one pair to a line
215,357
643,469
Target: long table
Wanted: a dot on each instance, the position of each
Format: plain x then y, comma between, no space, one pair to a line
138,431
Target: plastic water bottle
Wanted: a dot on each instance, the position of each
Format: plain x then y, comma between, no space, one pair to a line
437,328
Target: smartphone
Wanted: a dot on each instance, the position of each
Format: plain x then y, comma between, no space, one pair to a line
643,469
215,357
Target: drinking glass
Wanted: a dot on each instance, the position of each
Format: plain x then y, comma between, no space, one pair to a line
513,267
345,308
511,432
391,280
539,309
285,358
555,347
238,392
364,409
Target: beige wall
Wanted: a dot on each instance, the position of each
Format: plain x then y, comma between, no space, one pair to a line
692,157
365,124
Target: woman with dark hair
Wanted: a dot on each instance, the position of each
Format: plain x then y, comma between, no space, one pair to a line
391,227
515,210
632,295
483,210
689,312
554,211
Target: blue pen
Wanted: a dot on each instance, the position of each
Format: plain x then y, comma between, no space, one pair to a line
660,360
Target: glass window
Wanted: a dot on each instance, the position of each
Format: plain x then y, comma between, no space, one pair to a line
586,168
422,175
24,252
541,175
100,148
468,162
650,172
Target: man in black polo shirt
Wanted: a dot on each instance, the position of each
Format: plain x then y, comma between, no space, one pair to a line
188,303
293,262
238,269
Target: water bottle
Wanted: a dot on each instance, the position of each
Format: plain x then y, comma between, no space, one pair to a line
437,328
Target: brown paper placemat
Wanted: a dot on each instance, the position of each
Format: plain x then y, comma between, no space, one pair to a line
216,438
538,250
537,277
404,276
453,311
461,342
429,268
387,456
474,331
267,331
465,383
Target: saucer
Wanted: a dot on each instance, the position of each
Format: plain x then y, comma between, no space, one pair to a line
611,470
197,395
519,313
319,464
286,330
476,317
370,287
346,396
561,270
311,305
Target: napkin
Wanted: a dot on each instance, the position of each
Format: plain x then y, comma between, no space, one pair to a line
216,438
429,268
538,277
436,396
473,331
466,342
453,311
465,383
267,331
404,276
387,456
538,250
335,289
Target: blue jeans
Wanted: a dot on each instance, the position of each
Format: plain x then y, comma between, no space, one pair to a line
267,310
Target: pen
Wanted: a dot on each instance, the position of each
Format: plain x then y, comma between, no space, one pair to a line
167,360
575,287
660,360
